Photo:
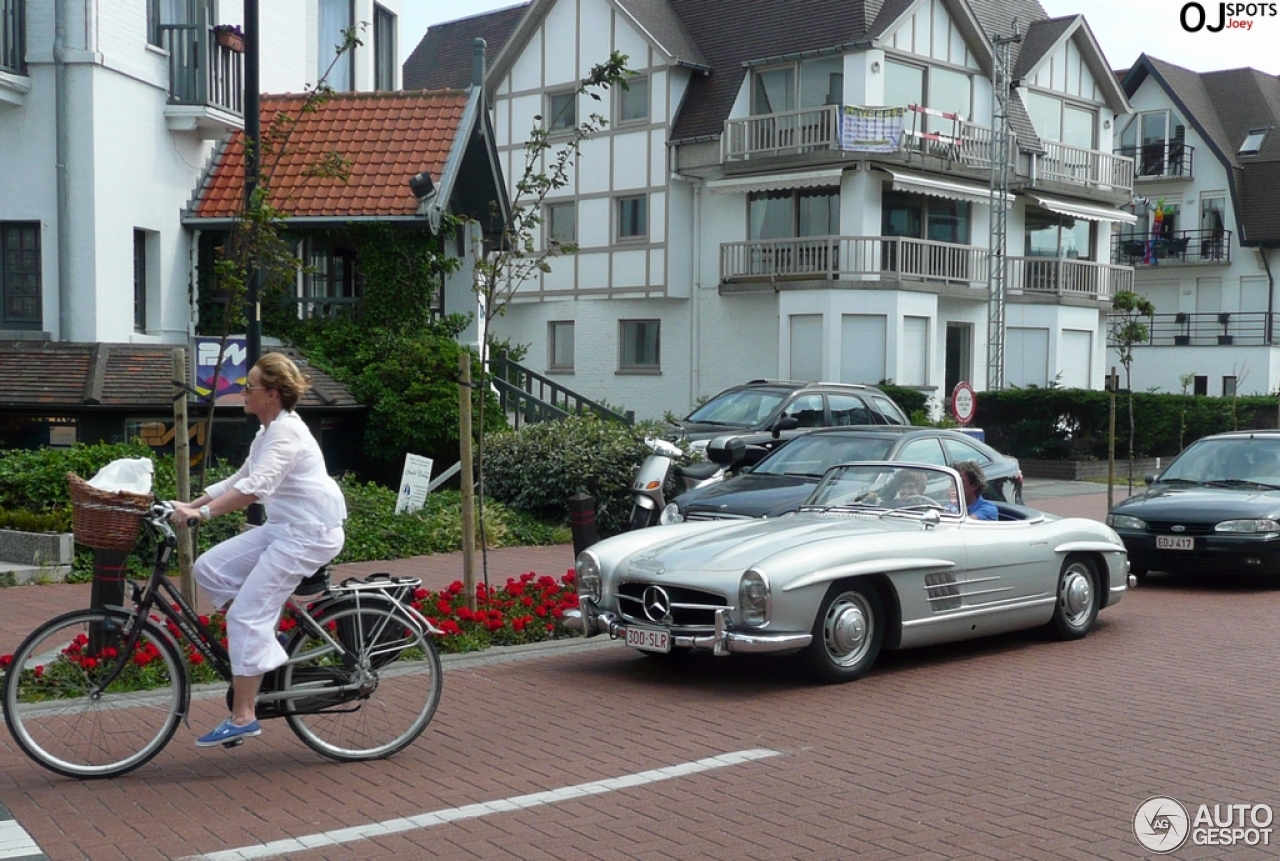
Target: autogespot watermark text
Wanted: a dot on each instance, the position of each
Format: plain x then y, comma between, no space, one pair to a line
1162,824
1230,16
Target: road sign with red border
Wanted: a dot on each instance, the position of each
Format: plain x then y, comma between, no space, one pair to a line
964,403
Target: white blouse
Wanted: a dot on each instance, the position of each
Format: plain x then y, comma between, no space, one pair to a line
285,470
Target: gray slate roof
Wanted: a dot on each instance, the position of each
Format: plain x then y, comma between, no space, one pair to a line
1223,106
442,60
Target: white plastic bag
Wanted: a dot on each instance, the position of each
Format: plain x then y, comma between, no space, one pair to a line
132,474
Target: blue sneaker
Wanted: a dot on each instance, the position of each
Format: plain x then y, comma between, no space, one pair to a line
228,733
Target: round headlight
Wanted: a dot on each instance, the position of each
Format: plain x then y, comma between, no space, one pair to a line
1248,527
753,598
1124,521
588,575
671,514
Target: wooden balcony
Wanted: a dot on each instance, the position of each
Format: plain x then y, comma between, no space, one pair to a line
1082,168
1210,247
831,258
1064,277
784,133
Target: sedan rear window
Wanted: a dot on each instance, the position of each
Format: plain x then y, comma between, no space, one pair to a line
814,455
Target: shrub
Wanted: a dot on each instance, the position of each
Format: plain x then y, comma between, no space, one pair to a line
538,467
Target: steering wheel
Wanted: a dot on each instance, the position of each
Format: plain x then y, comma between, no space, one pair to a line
918,499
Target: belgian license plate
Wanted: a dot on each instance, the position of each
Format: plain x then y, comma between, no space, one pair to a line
649,639
1170,542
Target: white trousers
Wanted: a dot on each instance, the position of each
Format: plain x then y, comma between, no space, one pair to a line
257,571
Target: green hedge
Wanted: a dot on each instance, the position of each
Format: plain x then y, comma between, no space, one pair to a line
1072,424
538,467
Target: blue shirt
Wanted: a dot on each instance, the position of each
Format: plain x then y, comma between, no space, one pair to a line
983,509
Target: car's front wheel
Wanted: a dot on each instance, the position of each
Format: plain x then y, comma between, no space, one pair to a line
847,633
1079,598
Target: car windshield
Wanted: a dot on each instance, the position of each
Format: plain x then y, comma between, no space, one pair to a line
743,407
885,485
814,454
1239,460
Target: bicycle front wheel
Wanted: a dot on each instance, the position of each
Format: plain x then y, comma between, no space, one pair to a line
374,703
61,715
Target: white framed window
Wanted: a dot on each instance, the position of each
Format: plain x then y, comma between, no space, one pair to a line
384,49
560,221
560,335
140,280
633,217
336,16
639,345
633,101
1253,142
562,112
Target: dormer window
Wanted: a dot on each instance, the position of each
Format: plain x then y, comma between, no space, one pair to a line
1253,142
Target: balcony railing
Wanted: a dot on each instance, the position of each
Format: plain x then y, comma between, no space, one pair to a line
13,41
1181,246
1061,276
202,72
783,133
1212,329
1172,160
834,257
1088,167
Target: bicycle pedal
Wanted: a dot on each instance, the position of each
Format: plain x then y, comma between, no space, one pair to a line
235,742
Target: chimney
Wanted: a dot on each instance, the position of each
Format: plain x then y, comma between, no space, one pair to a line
477,62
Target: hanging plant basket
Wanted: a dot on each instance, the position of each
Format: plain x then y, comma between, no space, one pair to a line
230,40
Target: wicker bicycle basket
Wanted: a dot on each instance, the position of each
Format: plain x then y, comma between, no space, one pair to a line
104,519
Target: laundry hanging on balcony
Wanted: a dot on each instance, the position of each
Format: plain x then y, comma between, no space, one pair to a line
871,129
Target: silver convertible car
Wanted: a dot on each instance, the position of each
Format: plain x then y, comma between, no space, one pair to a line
860,567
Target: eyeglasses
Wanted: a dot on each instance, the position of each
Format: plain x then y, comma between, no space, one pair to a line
250,387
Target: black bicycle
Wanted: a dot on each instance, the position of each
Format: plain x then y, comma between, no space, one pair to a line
99,692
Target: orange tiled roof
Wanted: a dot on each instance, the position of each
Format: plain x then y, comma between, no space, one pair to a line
387,137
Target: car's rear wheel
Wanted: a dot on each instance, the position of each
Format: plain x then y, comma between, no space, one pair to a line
1079,598
847,633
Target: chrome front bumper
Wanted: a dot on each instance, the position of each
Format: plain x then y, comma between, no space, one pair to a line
591,620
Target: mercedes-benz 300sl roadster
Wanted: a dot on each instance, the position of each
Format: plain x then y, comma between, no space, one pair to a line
866,564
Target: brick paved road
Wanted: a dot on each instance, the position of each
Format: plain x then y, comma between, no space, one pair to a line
1009,748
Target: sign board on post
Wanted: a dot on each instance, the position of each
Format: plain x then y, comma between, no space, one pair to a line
231,377
964,403
413,484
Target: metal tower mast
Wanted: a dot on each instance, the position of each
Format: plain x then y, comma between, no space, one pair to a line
1001,144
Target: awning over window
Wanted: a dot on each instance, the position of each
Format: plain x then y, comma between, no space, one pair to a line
777,181
923,183
1086,211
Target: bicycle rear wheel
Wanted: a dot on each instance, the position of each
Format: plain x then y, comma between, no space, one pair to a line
393,682
60,716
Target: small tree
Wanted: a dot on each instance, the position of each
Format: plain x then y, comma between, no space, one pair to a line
520,253
1187,380
1128,330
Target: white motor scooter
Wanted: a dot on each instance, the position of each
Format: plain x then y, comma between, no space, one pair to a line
648,496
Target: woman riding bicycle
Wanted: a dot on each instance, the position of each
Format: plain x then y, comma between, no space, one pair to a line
252,574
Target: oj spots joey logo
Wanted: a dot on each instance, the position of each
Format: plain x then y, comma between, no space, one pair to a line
1160,824
1224,16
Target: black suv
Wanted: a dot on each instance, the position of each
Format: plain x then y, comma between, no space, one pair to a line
766,413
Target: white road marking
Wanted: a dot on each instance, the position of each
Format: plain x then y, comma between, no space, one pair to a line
471,811
15,842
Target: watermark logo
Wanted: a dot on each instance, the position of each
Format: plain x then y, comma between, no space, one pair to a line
1161,824
1224,16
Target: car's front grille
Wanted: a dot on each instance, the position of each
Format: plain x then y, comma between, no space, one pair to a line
1166,527
714,515
676,606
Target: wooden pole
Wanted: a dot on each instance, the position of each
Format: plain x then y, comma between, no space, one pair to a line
182,471
467,478
1111,442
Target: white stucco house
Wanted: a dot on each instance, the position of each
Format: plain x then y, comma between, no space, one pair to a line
1208,157
736,220
132,105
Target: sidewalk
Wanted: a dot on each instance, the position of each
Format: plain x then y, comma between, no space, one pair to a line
24,607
